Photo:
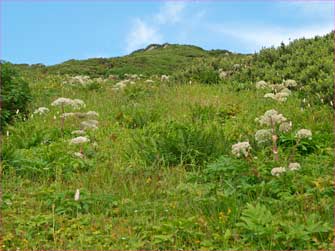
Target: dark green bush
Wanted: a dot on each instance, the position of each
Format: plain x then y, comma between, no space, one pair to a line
15,94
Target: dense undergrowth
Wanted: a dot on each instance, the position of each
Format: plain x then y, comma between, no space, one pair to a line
159,172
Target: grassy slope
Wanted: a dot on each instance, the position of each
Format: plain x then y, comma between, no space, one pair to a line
126,204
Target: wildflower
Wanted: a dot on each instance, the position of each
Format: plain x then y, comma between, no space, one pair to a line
290,83
55,117
62,101
281,96
286,90
41,110
261,84
164,78
278,171
304,133
269,95
17,111
78,132
79,140
277,87
77,195
294,166
79,155
67,114
263,136
285,126
90,124
223,74
78,103
149,81
92,113
241,147
7,133
271,117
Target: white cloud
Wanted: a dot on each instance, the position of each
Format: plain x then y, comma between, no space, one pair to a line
171,12
313,9
142,34
270,35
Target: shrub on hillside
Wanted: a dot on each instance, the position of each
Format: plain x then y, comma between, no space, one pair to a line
15,94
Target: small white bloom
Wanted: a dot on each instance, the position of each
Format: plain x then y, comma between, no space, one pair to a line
285,126
17,111
79,140
261,84
89,124
241,148
79,155
67,114
92,113
164,78
294,166
78,103
290,83
62,101
41,110
7,133
263,136
271,117
304,133
269,95
278,171
77,195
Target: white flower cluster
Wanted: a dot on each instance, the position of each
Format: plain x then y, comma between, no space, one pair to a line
271,117
279,96
83,80
78,132
263,136
277,171
304,133
132,76
79,140
122,84
241,148
223,74
41,110
290,83
164,78
89,124
75,103
261,84
285,126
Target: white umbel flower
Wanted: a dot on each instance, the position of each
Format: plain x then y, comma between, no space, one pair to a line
79,140
78,103
290,83
294,166
62,101
67,114
271,117
277,171
92,114
269,95
79,155
263,136
241,148
285,126
304,133
89,124
41,110
261,84
164,78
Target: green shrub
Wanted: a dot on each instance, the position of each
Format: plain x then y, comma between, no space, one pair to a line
15,94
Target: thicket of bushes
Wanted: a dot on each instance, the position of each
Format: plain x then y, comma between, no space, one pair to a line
15,94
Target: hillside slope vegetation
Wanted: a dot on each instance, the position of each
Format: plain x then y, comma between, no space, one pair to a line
174,148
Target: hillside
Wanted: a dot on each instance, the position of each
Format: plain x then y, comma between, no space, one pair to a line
154,59
225,151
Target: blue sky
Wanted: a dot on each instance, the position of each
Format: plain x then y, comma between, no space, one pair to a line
51,32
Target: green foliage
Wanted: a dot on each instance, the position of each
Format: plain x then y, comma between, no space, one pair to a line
174,143
15,94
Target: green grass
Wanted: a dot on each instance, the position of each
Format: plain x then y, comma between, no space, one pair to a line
188,197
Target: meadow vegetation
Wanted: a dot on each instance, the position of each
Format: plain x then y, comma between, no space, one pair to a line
227,151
